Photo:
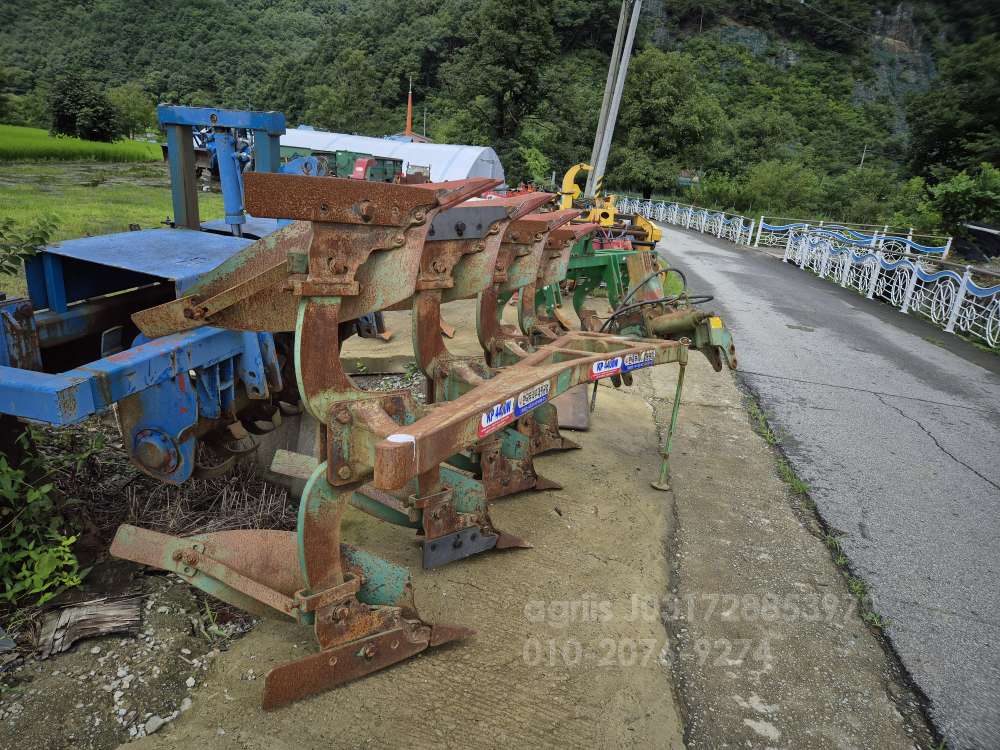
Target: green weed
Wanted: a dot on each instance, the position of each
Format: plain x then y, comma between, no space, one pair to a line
857,587
36,539
789,477
875,620
759,422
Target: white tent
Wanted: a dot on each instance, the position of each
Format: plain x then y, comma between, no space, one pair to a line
446,161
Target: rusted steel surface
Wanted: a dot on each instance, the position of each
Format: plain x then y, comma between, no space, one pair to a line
494,336
266,557
335,666
575,358
529,236
342,201
21,334
473,271
541,427
361,240
558,247
361,247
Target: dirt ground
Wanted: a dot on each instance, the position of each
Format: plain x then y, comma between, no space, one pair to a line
709,616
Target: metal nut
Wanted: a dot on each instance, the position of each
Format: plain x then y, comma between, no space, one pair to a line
343,416
344,472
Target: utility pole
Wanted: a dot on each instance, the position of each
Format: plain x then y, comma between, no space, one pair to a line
609,86
863,153
616,99
409,110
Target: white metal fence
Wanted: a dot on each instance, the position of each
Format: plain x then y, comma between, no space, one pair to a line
724,225
912,281
775,234
892,267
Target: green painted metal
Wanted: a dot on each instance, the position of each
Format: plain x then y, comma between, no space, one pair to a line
589,268
383,583
468,495
372,507
663,481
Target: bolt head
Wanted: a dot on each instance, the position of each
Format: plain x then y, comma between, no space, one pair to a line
344,472
344,416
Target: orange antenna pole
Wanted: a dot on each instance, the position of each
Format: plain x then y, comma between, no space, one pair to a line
409,110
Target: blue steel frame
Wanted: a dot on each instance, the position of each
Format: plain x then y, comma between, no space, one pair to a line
267,128
69,397
163,388
171,389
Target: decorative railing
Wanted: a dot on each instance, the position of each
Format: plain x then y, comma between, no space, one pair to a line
722,224
906,271
774,234
912,281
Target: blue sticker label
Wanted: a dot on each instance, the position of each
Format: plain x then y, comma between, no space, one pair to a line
638,360
531,398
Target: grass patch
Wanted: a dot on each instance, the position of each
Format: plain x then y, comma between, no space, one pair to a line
875,620
88,198
789,477
34,144
857,587
758,420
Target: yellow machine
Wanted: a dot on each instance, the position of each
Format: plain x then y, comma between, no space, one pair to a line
601,208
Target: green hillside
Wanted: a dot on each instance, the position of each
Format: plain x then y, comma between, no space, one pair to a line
772,102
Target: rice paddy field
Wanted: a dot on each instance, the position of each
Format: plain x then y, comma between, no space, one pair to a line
34,144
88,198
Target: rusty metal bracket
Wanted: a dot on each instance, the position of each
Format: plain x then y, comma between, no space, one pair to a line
310,602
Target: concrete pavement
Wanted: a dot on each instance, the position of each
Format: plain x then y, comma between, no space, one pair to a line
895,426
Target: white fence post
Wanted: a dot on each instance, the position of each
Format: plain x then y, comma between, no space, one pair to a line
910,286
876,268
845,272
959,299
803,246
788,248
947,249
756,242
749,230
722,220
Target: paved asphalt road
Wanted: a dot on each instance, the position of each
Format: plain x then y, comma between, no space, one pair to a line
895,426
